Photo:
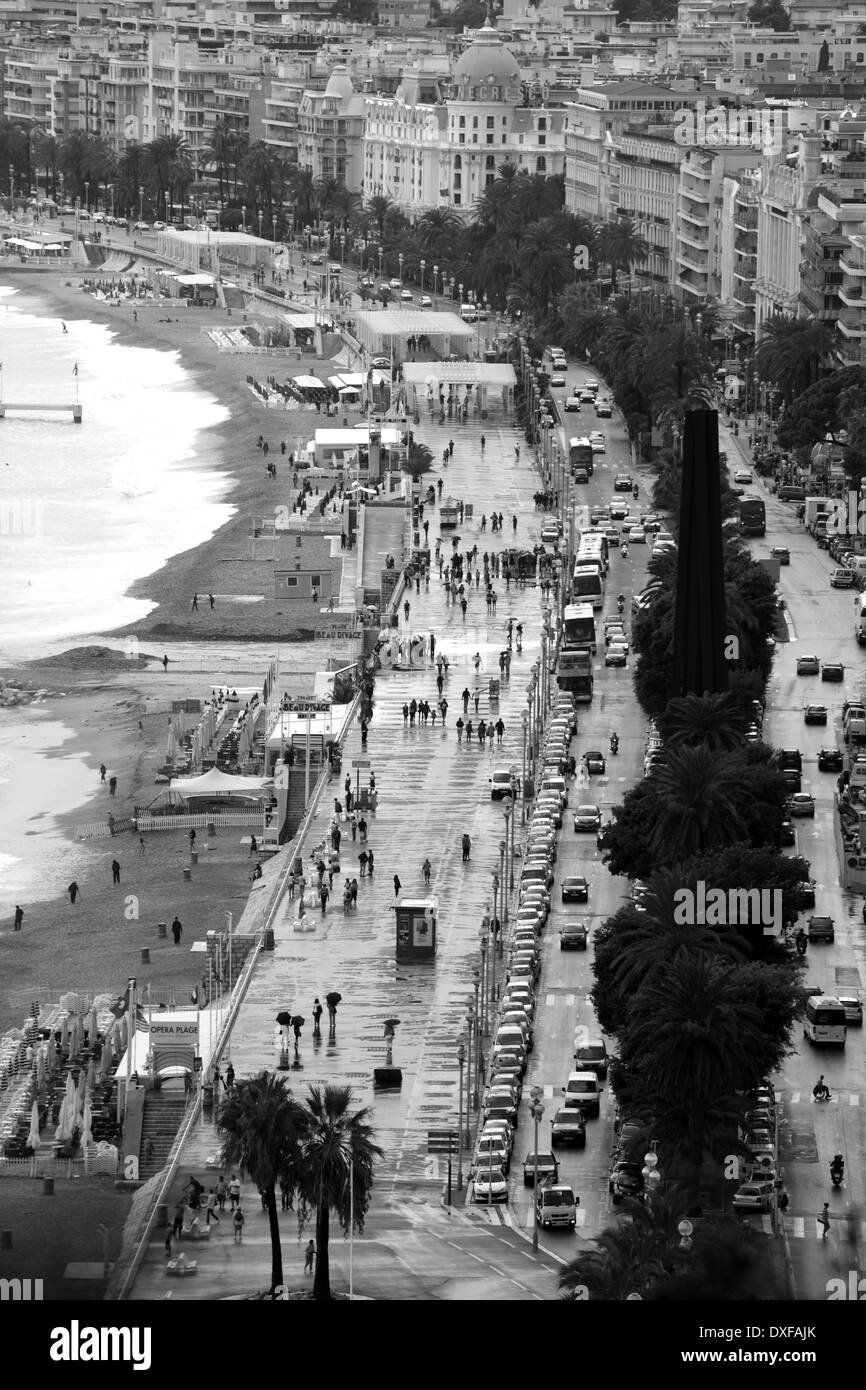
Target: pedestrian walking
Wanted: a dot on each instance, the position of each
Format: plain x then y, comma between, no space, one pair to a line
432,645
323,897
426,870
459,727
440,682
211,600
74,891
234,1191
238,1219
176,930
370,864
222,1190
115,871
148,1150
192,840
285,1194
165,664
397,885
179,1214
482,732
483,442
362,830
467,845
19,918
332,1000
230,1079
405,714
317,1008
824,1221
309,1256
102,771
167,1244
443,709
363,859
211,1208
407,608
514,524
112,785
500,730
195,603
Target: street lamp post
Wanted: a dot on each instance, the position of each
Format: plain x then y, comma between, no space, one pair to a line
524,719
471,1091
536,1110
435,277
422,266
461,1058
87,197
452,283
274,227
342,251
400,259
460,292
476,984
381,254
485,931
651,1175
261,217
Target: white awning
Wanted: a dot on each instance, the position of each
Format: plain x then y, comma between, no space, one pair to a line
309,383
216,783
195,280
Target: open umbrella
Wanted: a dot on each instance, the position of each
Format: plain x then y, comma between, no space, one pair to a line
284,1018
298,1020
33,1136
333,998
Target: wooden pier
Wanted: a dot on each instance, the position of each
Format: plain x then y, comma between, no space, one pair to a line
40,407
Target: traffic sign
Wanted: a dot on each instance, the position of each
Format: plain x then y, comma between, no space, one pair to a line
360,762
441,1141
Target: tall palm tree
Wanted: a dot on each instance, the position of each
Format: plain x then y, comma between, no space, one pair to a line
712,720
263,1129
218,156
45,150
621,246
792,353
336,1170
438,230
631,1256
702,805
380,207
303,190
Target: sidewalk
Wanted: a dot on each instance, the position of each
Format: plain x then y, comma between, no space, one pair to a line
431,790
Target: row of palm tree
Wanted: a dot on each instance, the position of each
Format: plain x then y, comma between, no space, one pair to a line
320,1149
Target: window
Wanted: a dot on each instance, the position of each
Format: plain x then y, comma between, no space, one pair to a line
292,581
490,122
458,179
489,179
541,165
462,122
490,162
316,581
458,161
474,122
457,200
490,137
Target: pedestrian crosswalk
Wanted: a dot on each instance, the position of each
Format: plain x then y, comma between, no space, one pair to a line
851,1098
808,1227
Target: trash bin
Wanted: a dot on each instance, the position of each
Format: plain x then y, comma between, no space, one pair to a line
162,931
145,956
207,1096
187,875
162,1214
269,939
48,1187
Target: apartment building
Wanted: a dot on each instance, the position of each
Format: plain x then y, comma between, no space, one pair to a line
331,130
851,323
648,193
702,231
782,206
739,246
830,225
595,121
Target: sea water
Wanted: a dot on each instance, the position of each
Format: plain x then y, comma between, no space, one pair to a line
87,509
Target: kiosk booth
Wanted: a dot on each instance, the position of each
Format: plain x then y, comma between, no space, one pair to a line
416,928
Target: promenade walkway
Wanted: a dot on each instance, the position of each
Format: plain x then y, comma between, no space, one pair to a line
432,790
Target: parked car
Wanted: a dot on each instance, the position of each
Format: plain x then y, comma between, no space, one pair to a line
830,760
573,937
842,579
802,804
489,1186
755,1196
787,833
626,1180
821,929
853,1006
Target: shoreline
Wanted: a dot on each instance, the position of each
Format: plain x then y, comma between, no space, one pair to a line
227,449
95,942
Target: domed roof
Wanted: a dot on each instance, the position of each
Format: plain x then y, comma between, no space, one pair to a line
339,84
487,62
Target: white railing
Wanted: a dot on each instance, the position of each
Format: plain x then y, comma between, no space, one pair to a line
198,820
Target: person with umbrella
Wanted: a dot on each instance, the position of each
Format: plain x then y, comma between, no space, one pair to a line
298,1022
317,1014
284,1019
332,1000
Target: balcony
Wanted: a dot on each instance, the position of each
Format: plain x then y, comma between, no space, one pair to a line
700,267
854,327
745,222
851,267
695,195
685,233
696,291
695,216
852,295
743,294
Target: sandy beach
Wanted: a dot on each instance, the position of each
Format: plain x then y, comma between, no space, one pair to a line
95,943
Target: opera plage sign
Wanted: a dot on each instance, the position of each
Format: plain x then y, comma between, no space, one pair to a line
173,1031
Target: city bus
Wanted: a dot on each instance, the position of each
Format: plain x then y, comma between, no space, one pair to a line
580,454
578,628
595,542
825,1022
753,517
587,587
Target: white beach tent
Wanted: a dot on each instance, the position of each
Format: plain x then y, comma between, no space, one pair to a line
220,784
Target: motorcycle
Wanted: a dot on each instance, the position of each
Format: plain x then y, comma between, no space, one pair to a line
800,943
837,1173
620,603
614,744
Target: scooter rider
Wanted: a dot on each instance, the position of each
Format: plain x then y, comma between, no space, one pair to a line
620,603
801,941
837,1170
821,1091
614,743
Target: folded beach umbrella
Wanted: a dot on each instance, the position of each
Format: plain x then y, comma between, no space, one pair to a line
33,1136
87,1133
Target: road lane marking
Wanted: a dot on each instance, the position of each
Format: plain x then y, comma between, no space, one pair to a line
549,1000
569,999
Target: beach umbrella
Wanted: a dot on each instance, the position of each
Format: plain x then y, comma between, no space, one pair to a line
102,1002
171,743
33,1136
71,1002
92,1025
40,1067
64,1031
196,749
87,1135
80,1097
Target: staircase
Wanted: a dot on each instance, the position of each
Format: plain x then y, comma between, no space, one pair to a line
234,298
163,1113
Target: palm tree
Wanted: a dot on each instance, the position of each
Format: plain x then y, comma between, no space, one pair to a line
712,720
336,1170
793,353
263,1129
303,189
438,231
45,151
262,171
702,805
631,1256
218,155
380,207
621,246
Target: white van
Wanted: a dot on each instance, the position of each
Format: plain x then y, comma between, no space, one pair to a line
860,619
468,313
556,784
